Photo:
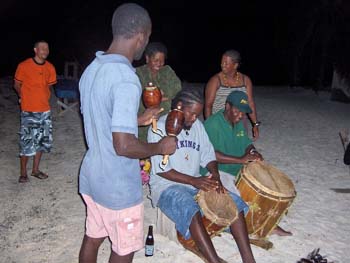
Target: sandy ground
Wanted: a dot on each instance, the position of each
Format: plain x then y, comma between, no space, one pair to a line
43,220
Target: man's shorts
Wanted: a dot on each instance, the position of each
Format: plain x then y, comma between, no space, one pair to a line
177,202
35,133
123,227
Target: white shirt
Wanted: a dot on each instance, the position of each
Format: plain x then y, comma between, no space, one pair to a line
193,150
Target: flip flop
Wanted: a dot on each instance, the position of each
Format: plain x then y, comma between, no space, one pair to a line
40,175
23,179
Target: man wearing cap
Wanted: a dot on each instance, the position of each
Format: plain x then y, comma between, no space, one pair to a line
233,147
226,132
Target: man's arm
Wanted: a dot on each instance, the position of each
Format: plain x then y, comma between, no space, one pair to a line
214,171
126,144
210,94
205,183
228,159
251,154
148,115
17,86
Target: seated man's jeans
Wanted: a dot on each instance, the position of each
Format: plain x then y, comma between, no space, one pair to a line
177,202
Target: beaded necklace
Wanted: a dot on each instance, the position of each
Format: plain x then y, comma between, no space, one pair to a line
235,78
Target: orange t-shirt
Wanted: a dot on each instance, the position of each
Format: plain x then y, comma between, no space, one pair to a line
36,79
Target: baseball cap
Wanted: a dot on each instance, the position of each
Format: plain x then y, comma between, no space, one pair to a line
239,99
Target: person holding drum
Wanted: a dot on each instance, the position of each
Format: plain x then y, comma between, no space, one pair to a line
160,75
174,186
233,147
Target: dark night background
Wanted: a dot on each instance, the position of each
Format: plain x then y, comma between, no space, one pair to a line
281,42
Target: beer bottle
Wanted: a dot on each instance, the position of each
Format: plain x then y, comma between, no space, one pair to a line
149,246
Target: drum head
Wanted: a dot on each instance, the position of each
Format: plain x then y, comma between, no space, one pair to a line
219,208
269,179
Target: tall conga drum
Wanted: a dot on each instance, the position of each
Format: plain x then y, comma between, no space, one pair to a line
268,192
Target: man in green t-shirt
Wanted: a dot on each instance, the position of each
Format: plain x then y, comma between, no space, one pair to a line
233,147
226,132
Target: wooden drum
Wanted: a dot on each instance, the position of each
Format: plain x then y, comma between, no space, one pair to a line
268,192
219,212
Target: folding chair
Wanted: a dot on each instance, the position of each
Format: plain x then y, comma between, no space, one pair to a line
67,93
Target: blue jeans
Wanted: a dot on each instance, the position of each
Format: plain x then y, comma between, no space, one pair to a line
177,202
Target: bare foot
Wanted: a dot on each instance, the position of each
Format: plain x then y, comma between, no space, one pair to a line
281,232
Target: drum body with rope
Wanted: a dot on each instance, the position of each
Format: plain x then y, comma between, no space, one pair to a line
219,212
268,192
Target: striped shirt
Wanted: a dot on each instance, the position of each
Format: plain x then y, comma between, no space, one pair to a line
223,92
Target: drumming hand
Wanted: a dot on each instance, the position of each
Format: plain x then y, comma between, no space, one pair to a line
251,157
167,145
216,177
221,188
205,183
148,115
258,156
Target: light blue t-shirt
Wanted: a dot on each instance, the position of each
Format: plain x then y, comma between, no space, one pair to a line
193,150
110,93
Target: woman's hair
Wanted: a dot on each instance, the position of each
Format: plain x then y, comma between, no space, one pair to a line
130,19
155,47
234,55
188,97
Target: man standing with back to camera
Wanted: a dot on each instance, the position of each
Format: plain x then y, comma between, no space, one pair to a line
109,180
33,79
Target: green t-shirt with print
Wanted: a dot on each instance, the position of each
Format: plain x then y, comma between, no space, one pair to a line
228,139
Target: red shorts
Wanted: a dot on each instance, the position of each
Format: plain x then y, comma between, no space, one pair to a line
123,227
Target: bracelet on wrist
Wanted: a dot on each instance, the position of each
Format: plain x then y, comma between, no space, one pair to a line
252,151
257,123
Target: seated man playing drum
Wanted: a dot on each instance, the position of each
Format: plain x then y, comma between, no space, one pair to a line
233,147
174,186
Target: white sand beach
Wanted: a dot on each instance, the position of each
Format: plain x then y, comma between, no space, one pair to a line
43,220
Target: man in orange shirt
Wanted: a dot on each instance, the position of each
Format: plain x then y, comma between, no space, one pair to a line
33,79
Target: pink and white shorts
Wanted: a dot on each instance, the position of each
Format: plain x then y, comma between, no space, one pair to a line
123,227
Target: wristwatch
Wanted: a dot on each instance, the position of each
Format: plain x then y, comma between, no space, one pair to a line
257,123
